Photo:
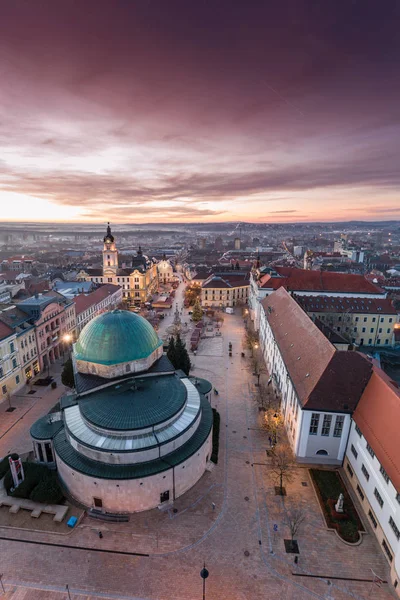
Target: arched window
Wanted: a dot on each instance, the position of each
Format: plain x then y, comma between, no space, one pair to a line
322,453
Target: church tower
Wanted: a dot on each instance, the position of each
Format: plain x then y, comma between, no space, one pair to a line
110,254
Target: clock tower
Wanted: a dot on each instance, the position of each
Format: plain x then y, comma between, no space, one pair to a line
110,254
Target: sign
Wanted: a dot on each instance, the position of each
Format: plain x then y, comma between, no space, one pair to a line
275,527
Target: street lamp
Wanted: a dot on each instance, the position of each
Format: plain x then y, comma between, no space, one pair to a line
67,338
204,574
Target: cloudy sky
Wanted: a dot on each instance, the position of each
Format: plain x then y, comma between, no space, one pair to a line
205,110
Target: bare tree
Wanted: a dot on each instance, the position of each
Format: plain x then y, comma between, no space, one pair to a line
273,421
294,518
282,465
250,340
257,366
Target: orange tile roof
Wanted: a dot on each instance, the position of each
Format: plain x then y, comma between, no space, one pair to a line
5,331
84,301
378,416
324,378
313,281
349,304
304,348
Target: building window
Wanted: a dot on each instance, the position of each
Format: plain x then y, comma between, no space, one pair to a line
363,329
350,470
396,530
17,379
14,363
354,452
369,449
378,497
384,474
398,498
4,389
373,319
337,432
387,550
326,425
365,319
12,348
314,424
360,492
373,519
358,430
364,470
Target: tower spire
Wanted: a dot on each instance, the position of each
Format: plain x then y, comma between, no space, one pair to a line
109,238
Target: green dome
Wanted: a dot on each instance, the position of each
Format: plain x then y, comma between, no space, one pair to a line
116,337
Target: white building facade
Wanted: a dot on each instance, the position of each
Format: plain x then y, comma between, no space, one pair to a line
302,363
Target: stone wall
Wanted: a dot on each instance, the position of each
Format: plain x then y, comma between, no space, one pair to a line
133,495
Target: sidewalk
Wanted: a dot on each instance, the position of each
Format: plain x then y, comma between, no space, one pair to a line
15,425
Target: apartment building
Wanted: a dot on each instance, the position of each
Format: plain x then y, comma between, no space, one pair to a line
265,280
363,321
24,329
372,463
88,306
225,289
54,317
10,369
319,385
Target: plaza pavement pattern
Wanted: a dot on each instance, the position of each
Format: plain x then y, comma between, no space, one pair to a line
244,555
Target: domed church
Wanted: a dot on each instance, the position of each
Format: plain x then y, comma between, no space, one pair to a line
136,434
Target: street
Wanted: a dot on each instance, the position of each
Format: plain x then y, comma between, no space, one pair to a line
236,540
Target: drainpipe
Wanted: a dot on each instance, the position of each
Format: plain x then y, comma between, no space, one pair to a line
169,464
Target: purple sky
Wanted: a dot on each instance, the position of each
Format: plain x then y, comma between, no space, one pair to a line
140,110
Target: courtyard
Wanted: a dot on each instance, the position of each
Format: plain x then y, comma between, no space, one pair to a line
158,555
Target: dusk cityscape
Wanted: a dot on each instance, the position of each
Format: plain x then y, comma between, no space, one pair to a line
199,300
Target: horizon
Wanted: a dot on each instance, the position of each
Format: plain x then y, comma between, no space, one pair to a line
181,223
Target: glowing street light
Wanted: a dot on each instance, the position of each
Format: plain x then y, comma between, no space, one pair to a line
67,338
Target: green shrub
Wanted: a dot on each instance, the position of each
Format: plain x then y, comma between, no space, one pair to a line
215,436
4,466
47,491
38,479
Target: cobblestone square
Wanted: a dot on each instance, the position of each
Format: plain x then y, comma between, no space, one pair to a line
158,555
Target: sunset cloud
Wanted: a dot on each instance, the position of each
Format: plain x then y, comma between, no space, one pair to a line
183,111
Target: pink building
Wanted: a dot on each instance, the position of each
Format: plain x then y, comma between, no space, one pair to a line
54,318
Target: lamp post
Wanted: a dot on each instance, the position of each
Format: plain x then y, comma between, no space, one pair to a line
204,574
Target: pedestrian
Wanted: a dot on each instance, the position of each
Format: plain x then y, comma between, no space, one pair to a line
100,535
270,440
213,505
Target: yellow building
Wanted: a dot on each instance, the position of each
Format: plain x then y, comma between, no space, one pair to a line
226,289
138,281
10,369
362,321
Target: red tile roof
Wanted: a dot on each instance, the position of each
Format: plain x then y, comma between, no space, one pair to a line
304,348
85,301
348,304
226,281
378,417
324,281
324,378
5,331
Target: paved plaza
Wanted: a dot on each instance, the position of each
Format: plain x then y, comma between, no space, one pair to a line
158,555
